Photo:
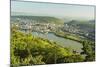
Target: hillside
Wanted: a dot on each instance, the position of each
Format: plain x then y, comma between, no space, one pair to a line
82,24
39,19
27,49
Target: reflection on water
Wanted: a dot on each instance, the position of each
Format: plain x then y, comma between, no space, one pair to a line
61,41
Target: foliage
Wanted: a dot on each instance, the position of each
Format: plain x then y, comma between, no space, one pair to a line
27,49
71,59
89,50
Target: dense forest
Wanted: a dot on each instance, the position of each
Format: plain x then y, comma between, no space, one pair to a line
27,49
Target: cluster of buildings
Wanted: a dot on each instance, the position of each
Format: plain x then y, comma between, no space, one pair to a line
49,27
88,33
36,26
70,29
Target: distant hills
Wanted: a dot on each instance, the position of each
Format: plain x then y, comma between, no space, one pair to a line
83,25
41,19
48,19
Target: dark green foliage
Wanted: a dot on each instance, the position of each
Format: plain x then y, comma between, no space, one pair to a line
89,50
71,59
21,53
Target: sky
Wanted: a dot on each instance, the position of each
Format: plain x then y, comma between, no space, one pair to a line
51,9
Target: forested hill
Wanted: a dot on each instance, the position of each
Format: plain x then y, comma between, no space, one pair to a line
83,24
41,19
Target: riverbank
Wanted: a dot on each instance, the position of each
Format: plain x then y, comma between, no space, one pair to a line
70,37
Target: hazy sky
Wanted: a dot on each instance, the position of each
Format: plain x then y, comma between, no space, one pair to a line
49,9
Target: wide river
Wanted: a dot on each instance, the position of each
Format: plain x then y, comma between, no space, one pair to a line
74,45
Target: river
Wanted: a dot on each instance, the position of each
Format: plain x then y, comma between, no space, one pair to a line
74,45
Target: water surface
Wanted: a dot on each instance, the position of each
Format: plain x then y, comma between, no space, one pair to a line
60,40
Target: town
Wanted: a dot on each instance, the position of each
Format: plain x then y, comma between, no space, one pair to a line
36,26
